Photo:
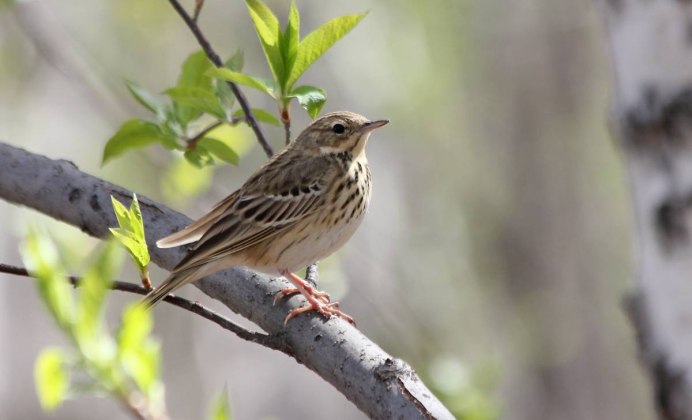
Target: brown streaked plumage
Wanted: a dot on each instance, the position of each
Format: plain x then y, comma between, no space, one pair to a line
299,207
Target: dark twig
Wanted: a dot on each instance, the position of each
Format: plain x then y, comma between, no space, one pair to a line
216,60
272,342
192,143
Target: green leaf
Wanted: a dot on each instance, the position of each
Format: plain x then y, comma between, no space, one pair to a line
172,131
197,99
222,90
144,97
138,353
136,327
52,378
122,214
219,149
193,75
311,98
225,96
133,134
194,70
96,281
264,85
131,232
221,409
318,42
260,115
291,38
199,156
137,220
93,341
236,62
267,27
41,258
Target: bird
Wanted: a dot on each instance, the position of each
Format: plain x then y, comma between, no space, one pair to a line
301,206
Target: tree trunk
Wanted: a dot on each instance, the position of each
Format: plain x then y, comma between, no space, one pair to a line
651,47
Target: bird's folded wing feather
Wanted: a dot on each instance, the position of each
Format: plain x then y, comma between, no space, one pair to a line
195,231
285,190
249,220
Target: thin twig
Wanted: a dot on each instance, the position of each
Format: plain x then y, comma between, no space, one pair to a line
270,341
192,143
214,57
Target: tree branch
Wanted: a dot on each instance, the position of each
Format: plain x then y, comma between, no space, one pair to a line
271,342
216,60
377,383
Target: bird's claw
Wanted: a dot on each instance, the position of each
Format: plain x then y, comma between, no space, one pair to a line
326,309
322,296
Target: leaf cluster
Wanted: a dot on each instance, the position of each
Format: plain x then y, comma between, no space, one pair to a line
131,234
203,94
196,98
124,364
289,57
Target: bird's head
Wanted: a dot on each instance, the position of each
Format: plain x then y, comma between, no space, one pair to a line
338,132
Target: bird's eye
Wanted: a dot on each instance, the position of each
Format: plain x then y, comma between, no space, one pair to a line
338,128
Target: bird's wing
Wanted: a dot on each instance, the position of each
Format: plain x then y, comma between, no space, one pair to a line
265,206
195,231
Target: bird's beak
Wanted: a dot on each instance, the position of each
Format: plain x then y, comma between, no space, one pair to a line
371,125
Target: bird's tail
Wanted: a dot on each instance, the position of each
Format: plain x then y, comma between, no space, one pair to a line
173,282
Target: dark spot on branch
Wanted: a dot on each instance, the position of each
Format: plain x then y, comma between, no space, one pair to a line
74,195
94,203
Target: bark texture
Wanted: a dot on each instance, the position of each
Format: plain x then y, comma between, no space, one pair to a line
377,383
651,47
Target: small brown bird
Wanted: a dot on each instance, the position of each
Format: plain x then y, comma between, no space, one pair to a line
299,207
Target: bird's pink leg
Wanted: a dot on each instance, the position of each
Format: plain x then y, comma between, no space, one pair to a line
319,301
323,296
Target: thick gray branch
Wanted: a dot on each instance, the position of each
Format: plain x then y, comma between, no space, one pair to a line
377,383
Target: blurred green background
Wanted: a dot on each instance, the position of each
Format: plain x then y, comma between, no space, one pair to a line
497,249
